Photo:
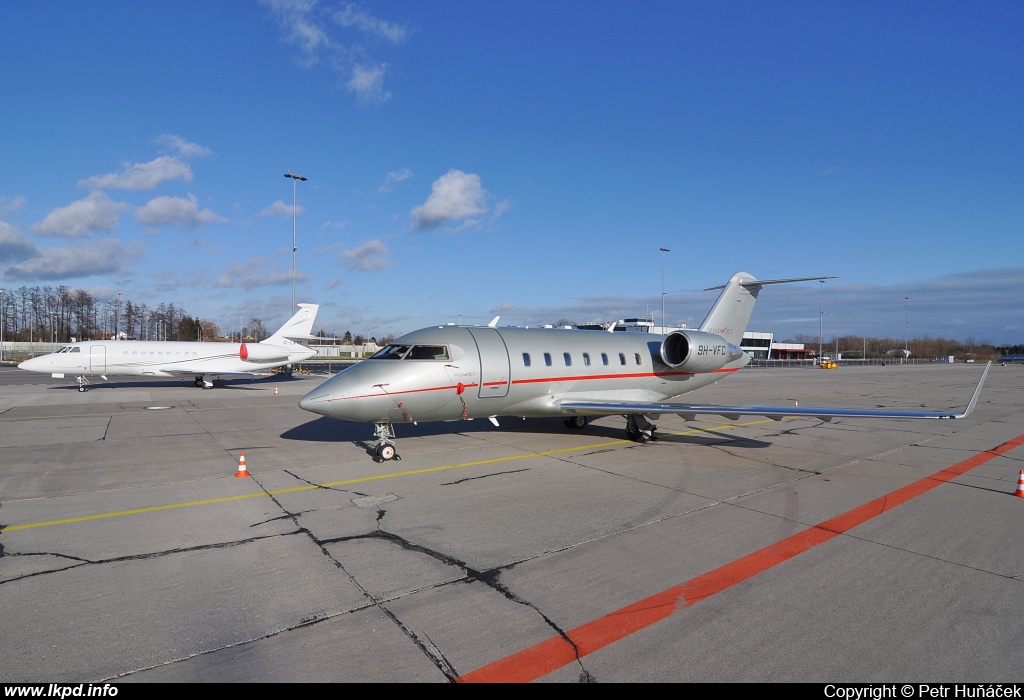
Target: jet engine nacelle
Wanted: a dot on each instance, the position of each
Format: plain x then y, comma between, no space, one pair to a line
695,351
262,353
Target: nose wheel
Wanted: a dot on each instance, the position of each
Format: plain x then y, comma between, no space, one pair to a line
385,449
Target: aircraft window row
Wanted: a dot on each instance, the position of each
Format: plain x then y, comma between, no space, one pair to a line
136,353
567,359
412,352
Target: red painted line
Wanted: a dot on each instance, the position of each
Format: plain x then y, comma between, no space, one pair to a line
554,653
537,380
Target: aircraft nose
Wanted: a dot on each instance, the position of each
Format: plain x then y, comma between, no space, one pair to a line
32,365
315,401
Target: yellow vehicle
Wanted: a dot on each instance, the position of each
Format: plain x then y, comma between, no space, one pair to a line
827,363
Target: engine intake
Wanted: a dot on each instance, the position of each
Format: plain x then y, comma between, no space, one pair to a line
695,351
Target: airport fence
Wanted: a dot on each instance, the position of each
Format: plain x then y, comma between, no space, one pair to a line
879,361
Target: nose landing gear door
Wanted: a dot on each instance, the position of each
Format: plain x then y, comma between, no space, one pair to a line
494,363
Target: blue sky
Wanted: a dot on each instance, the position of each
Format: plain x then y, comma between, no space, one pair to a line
529,159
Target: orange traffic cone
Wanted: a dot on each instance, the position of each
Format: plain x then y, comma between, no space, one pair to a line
1020,484
275,391
241,467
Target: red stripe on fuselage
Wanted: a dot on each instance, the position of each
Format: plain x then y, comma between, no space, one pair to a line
538,380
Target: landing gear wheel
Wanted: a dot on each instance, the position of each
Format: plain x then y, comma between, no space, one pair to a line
632,431
81,389
199,382
575,422
387,452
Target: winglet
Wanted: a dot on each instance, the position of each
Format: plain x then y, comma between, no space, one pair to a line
494,322
977,393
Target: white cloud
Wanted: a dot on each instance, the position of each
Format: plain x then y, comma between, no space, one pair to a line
97,212
13,245
13,205
336,282
369,256
350,16
176,211
305,25
185,149
252,273
367,82
103,257
279,208
393,178
141,176
454,196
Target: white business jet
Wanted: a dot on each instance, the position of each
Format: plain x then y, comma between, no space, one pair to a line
203,361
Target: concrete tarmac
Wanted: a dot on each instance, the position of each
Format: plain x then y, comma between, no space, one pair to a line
750,550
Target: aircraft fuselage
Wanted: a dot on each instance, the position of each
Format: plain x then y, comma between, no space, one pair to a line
460,372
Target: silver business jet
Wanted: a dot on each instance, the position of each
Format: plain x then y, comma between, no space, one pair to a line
203,361
447,373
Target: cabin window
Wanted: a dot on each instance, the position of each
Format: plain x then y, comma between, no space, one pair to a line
622,359
586,358
126,353
428,352
526,359
636,356
76,349
135,353
391,352
547,359
567,358
604,358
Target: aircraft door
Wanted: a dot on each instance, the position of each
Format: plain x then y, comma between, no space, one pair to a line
494,363
97,358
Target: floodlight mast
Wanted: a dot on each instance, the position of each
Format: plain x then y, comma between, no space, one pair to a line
295,247
663,251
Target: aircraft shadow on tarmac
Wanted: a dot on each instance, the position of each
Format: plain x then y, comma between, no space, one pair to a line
232,384
325,429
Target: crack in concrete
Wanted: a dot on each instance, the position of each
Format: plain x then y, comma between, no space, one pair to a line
321,486
485,476
429,649
130,557
488,578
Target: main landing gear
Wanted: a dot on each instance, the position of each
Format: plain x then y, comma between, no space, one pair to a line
385,449
575,422
639,429
203,384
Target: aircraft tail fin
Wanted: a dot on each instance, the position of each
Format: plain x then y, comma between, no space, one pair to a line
298,327
731,312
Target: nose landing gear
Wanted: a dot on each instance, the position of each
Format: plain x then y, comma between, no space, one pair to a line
82,381
385,449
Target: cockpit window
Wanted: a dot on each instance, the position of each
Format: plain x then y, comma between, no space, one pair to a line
76,349
428,352
392,352
66,348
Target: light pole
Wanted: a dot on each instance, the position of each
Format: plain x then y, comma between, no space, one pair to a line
294,179
821,315
663,251
2,319
906,338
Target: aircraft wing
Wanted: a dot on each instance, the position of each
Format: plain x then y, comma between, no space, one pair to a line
199,372
611,408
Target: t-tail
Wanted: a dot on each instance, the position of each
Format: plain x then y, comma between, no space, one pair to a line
731,312
298,328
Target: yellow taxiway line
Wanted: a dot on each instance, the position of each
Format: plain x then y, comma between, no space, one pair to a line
361,479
